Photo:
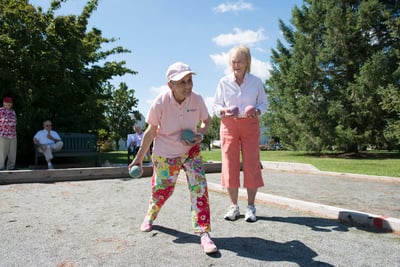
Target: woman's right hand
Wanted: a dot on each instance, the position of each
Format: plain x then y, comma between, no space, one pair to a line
232,111
134,162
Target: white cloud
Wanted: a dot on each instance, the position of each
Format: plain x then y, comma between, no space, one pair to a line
259,68
238,6
155,91
246,37
220,59
259,49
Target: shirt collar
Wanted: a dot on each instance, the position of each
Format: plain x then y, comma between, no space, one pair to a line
232,76
173,100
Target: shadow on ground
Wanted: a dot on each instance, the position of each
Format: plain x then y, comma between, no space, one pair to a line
253,247
322,225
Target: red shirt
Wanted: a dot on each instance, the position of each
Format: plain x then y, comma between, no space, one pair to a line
8,123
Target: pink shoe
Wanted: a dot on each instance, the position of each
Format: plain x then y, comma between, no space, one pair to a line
146,226
207,244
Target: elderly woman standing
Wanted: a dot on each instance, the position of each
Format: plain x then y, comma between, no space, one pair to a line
239,100
8,134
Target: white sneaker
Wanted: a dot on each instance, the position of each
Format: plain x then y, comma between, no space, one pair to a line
250,215
233,213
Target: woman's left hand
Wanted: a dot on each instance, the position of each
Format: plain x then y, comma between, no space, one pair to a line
251,111
196,140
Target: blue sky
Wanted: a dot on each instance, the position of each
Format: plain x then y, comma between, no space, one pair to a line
199,33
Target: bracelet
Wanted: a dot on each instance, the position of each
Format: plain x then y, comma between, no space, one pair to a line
201,135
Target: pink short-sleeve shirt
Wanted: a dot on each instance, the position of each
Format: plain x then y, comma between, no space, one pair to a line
172,118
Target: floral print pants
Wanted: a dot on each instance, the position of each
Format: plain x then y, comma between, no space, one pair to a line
165,175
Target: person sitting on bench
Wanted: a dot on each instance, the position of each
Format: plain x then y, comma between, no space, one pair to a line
47,142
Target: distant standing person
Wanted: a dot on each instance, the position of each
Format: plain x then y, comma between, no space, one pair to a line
8,134
47,142
134,141
239,100
172,113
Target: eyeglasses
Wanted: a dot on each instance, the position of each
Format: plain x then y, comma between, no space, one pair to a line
48,125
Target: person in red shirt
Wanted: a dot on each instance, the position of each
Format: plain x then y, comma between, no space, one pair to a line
8,134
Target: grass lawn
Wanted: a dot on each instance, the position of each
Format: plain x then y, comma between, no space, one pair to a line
369,163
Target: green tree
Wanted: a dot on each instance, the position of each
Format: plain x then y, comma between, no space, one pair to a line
55,68
120,114
324,87
390,93
212,132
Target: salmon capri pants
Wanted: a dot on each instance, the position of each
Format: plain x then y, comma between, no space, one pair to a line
240,135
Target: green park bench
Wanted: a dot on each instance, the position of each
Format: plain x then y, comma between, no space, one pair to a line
76,145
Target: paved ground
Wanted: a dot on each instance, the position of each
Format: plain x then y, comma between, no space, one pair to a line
96,223
376,195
